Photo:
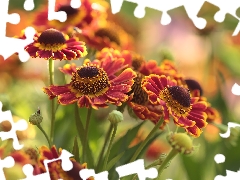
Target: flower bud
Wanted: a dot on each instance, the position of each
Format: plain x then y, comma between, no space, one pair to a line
115,117
36,118
181,142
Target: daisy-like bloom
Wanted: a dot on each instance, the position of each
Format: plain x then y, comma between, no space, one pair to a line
21,158
52,43
110,53
197,91
105,34
187,112
55,168
94,84
166,68
139,102
76,17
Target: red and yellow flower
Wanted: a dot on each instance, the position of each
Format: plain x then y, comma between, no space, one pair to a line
94,84
187,112
52,43
76,17
139,102
105,34
55,167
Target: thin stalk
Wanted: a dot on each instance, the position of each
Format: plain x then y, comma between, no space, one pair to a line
155,163
150,135
45,134
86,134
109,147
169,157
53,110
107,137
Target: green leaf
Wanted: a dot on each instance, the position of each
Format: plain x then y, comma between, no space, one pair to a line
123,142
75,150
113,161
128,155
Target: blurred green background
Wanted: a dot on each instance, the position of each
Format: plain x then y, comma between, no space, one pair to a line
211,56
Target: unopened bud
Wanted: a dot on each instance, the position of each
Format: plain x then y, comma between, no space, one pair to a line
36,118
181,142
115,117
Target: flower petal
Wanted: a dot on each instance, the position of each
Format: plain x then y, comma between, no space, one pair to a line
127,75
57,90
68,69
67,98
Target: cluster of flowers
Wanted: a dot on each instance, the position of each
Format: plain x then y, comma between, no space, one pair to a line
115,74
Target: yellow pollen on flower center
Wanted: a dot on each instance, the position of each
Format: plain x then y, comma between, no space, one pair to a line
177,99
140,96
106,32
89,80
137,61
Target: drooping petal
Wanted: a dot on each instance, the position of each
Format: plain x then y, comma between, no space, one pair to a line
67,98
58,90
49,93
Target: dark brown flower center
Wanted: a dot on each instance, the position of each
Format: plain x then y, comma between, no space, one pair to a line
193,85
140,96
137,62
110,34
177,99
51,37
68,9
33,154
90,80
88,72
181,95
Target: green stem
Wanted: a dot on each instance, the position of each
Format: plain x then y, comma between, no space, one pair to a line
109,147
86,134
45,134
51,80
140,148
107,137
51,71
169,157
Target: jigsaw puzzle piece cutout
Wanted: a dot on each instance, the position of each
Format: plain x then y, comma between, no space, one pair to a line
20,125
238,12
66,164
207,12
137,167
9,46
87,173
28,5
210,12
220,158
191,8
28,171
164,7
53,15
7,162
75,4
225,7
13,18
182,11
